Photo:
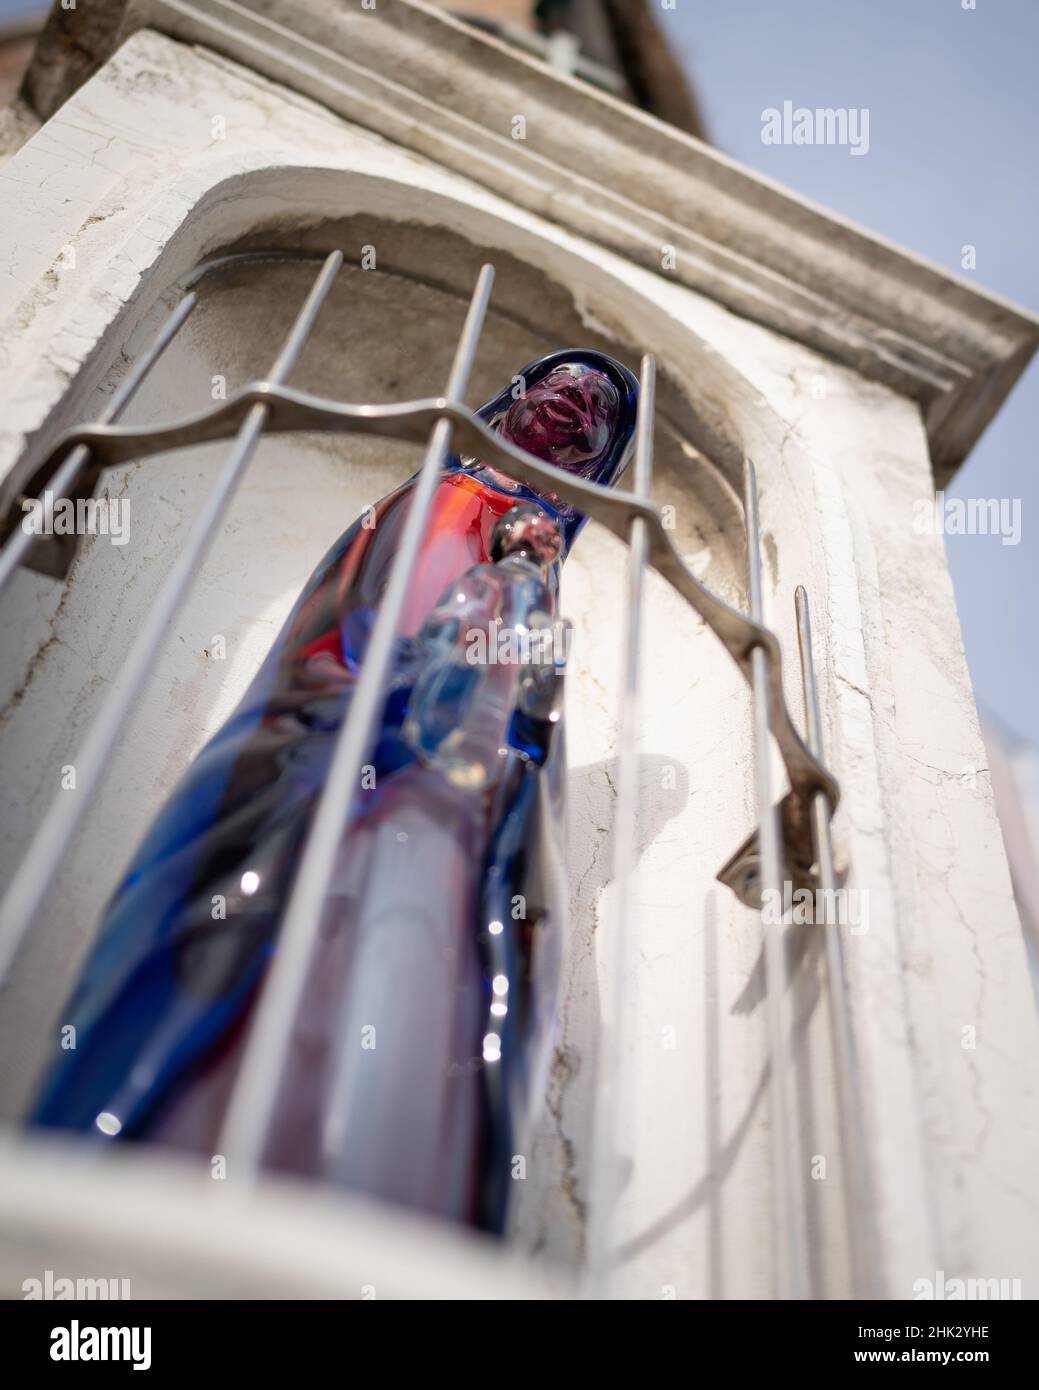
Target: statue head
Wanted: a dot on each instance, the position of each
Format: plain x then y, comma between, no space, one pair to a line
575,409
566,418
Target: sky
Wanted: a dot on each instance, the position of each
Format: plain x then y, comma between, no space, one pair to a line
11,10
953,96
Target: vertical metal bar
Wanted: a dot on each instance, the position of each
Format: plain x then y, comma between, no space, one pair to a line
254,1095
855,1173
21,542
789,1234
613,1095
43,859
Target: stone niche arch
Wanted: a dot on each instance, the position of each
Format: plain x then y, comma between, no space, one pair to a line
388,334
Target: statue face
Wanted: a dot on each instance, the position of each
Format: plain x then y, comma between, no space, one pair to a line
566,418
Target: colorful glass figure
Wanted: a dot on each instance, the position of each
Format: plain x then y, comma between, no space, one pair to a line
426,1023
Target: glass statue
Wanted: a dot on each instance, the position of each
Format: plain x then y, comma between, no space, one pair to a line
420,1050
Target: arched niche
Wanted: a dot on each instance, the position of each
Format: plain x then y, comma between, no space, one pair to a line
388,333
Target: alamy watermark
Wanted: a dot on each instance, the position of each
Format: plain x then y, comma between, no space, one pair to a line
820,907
62,1287
954,1290
821,125
498,645
81,1342
84,516
968,516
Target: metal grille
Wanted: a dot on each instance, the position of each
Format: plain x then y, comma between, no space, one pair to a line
793,841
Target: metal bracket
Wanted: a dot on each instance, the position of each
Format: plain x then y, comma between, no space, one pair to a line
742,873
